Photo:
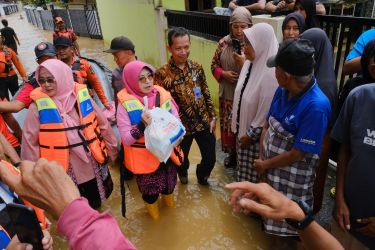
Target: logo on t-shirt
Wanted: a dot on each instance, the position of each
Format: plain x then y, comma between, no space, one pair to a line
370,138
289,120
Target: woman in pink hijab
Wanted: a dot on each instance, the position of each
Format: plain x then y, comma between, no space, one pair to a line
153,177
93,179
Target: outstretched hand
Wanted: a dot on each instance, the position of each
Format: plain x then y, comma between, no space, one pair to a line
44,184
262,199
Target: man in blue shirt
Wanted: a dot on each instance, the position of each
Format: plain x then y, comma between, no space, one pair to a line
297,121
353,60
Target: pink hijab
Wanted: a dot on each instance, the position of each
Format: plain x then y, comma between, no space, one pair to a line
64,100
130,76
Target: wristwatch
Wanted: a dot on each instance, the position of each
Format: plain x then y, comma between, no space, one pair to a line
309,216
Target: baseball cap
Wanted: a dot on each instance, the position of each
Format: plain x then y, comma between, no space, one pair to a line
62,41
120,43
44,49
295,56
58,19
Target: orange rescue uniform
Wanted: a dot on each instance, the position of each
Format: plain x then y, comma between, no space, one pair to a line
84,74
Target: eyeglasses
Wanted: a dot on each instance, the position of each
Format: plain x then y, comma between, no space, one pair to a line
44,80
146,78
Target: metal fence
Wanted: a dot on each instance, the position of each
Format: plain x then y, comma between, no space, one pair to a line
84,22
207,25
10,9
341,30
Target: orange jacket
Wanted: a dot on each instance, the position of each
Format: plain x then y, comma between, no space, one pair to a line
53,141
68,33
7,134
8,58
39,212
84,74
137,158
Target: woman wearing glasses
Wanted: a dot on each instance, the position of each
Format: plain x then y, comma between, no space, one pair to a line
65,125
152,176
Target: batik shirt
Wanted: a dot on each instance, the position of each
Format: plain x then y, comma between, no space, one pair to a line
189,89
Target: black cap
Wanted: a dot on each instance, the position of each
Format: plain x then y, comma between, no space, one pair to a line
120,43
295,56
62,41
44,49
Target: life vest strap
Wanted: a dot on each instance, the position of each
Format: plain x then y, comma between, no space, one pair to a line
83,143
80,127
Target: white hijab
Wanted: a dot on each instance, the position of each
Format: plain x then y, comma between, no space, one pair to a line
262,83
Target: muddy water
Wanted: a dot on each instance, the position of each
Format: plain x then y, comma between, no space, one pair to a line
201,219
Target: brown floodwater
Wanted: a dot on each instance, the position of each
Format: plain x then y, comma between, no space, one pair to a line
201,218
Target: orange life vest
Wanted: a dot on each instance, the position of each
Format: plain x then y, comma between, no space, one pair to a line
39,212
137,158
6,65
53,141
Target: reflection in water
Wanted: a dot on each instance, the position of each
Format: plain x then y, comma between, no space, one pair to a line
201,219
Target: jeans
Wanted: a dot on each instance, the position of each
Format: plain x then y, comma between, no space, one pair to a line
206,142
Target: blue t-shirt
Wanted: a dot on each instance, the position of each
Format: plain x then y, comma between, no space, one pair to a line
305,116
360,44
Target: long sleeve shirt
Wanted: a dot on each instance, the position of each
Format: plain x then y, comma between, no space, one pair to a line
11,57
85,228
189,89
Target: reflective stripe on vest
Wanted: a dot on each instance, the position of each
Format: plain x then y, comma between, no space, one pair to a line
136,157
53,140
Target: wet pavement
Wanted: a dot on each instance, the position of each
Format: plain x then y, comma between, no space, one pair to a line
201,218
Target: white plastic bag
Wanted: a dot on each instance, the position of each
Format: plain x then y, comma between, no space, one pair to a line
163,134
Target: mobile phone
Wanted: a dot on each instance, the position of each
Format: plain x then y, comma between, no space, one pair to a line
236,46
26,224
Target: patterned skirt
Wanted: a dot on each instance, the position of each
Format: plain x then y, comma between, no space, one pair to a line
228,139
294,181
162,180
245,161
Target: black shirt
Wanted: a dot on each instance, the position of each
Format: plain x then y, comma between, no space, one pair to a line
8,34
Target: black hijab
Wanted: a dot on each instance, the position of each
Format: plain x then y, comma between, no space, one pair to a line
299,19
310,7
324,72
367,55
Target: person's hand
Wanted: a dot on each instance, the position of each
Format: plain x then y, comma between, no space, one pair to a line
107,105
47,240
213,126
341,214
146,118
260,166
262,199
25,79
15,243
44,184
239,59
369,229
281,5
245,141
230,76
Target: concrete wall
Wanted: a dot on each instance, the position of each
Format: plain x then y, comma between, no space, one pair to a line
136,19
146,26
174,4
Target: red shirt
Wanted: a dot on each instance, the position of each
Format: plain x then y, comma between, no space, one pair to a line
24,95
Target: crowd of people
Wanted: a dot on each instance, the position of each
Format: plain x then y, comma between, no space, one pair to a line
279,110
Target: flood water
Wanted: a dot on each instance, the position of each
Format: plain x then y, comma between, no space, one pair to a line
201,218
